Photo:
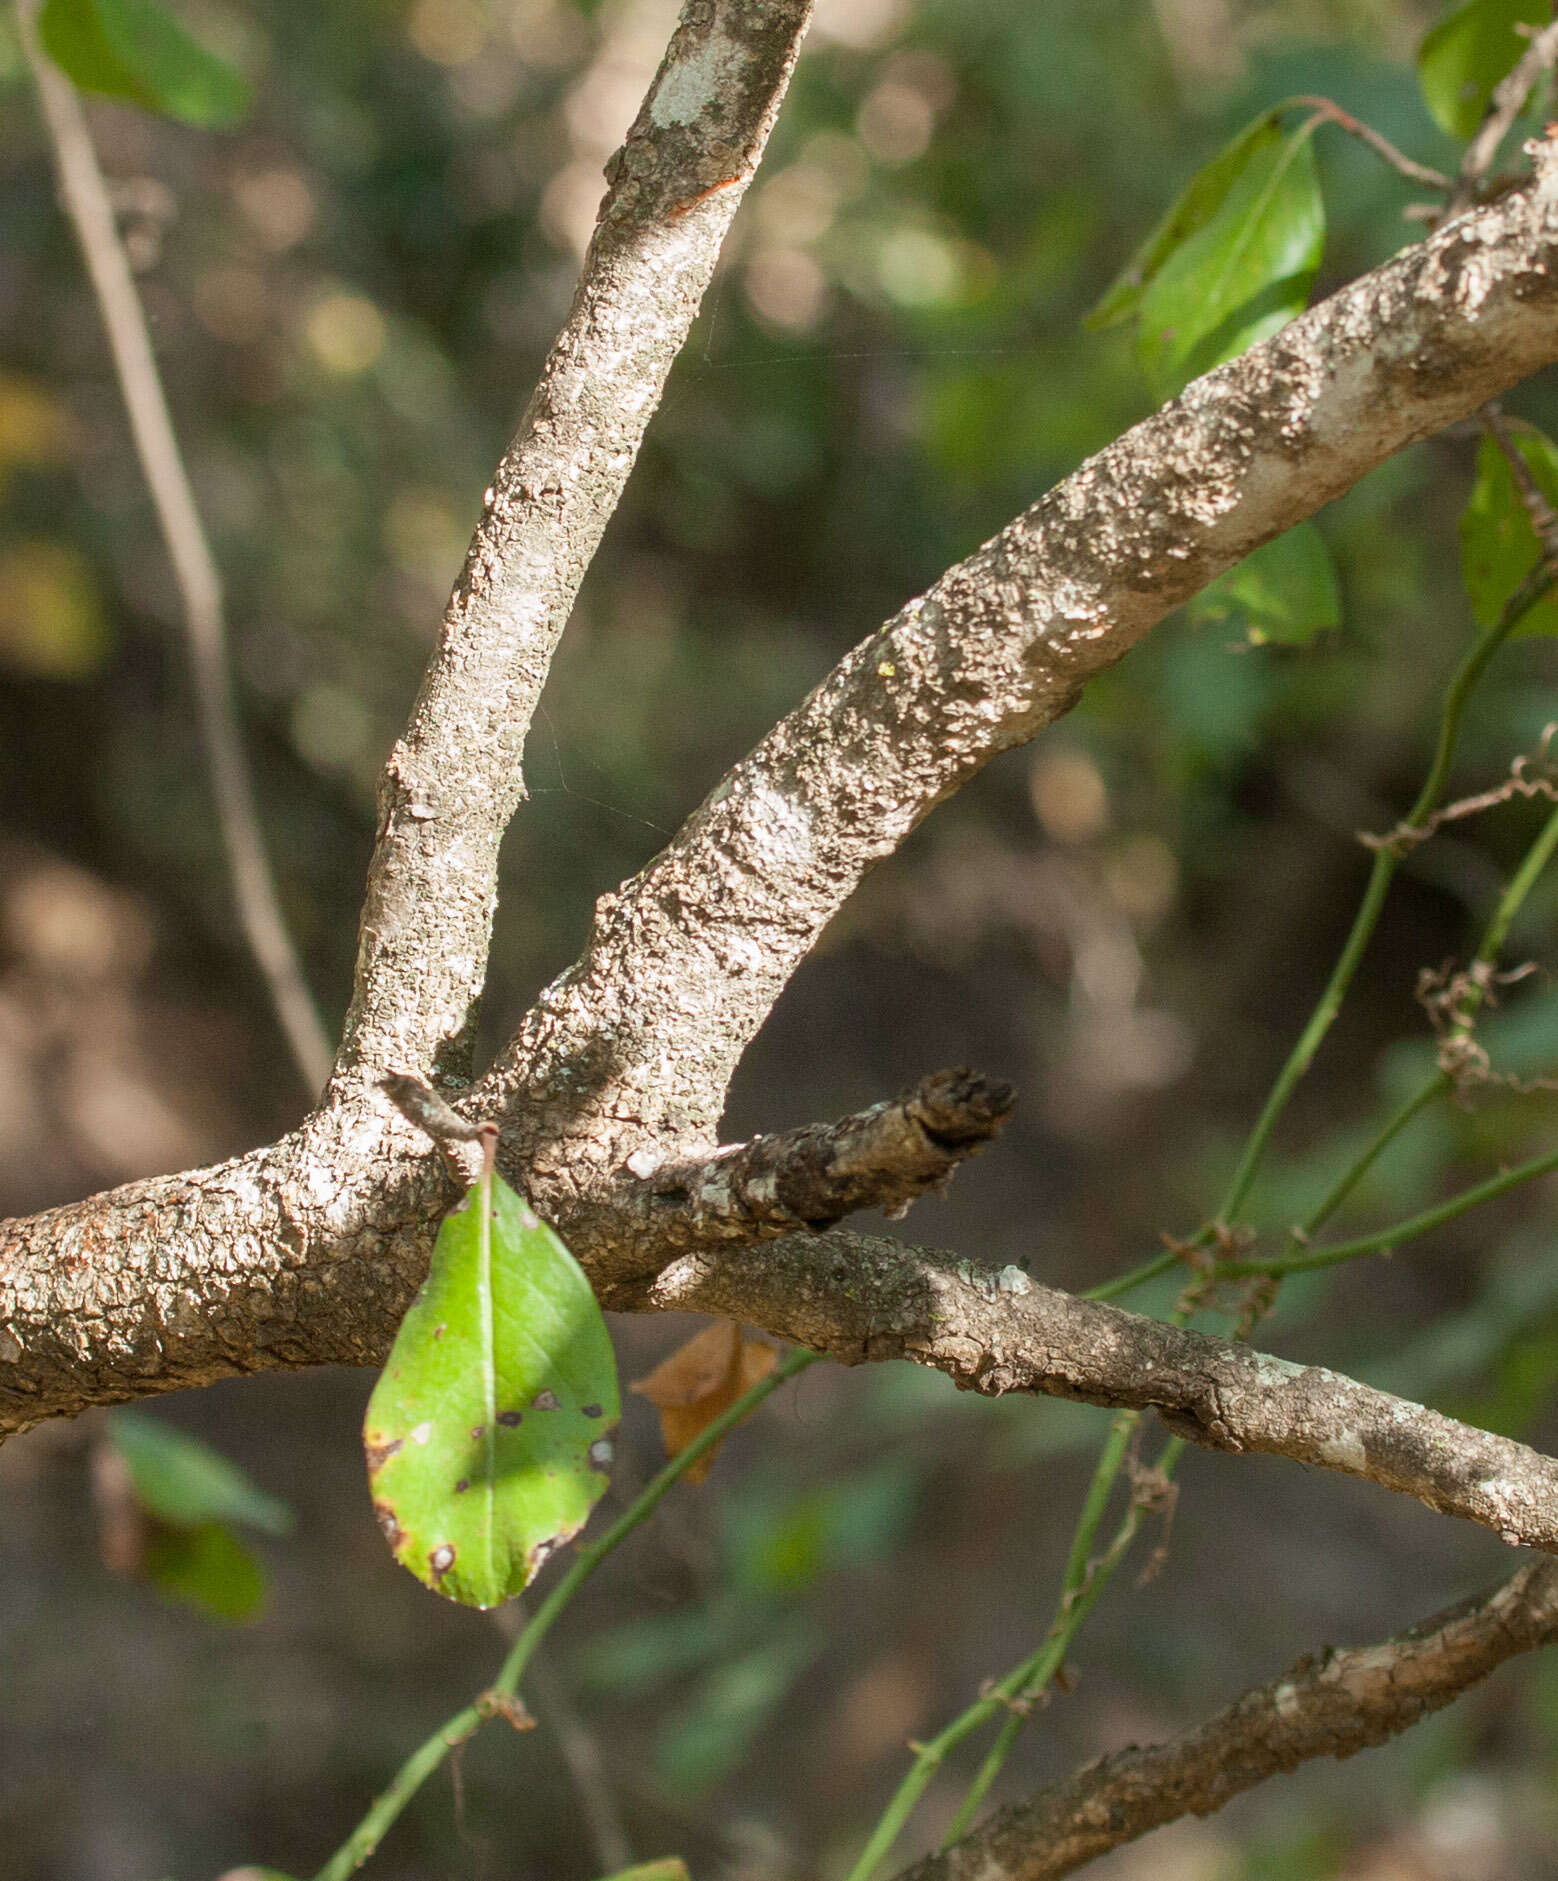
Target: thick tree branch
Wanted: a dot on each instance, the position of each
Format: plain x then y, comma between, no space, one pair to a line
453,780
309,1252
859,1298
1332,1705
636,1044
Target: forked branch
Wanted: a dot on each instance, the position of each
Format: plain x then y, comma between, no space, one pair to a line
454,778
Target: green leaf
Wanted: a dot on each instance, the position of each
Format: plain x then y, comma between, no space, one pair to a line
1190,212
206,1567
185,1482
1284,593
1466,55
132,49
1498,544
1243,275
487,1434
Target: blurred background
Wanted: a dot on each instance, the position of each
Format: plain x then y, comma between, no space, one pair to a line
351,295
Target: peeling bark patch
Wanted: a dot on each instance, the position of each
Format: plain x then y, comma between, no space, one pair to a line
1345,1451
692,85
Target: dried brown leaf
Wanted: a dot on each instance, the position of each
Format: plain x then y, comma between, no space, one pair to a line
699,1381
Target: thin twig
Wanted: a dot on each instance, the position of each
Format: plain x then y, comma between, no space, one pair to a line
1507,102
1398,160
84,195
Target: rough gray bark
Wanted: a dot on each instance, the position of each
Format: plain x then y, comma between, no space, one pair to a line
1332,1705
862,1298
635,1045
454,779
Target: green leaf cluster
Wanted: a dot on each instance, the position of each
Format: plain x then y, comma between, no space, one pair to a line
1232,261
1499,546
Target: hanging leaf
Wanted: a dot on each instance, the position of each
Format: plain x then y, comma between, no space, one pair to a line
132,49
185,1482
700,1381
206,1567
1283,594
1498,544
1466,55
1194,207
1244,274
487,1435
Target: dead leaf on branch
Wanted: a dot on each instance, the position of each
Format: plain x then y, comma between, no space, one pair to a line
699,1381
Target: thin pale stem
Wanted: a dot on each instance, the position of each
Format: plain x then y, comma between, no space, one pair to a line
85,198
422,1762
1382,147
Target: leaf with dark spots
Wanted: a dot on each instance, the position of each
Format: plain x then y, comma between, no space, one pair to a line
591,1410
477,1498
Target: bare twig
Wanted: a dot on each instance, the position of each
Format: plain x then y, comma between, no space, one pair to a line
85,197
1507,102
454,779
1381,145
1531,774
1331,1705
885,1157
307,1251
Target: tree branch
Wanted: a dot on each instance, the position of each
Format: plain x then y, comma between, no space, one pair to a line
885,1157
858,1297
85,197
1332,1705
635,1045
454,778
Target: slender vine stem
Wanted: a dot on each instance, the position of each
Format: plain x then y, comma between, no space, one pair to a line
1386,862
423,1761
1385,1239
1122,1430
1013,1691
